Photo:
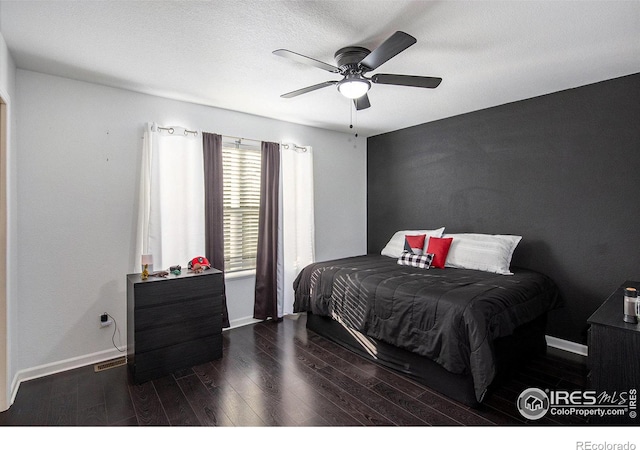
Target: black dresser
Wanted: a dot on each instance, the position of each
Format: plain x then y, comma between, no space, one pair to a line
614,352
173,322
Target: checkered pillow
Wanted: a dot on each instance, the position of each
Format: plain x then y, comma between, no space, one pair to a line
422,261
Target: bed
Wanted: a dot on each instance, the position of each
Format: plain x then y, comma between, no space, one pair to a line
453,328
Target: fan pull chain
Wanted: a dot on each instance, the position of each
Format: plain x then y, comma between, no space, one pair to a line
351,108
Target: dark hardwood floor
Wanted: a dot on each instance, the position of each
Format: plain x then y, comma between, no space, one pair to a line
278,374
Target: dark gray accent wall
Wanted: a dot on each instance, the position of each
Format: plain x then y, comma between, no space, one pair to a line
562,170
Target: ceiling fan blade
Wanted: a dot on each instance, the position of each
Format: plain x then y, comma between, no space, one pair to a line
406,80
306,60
397,43
308,89
362,102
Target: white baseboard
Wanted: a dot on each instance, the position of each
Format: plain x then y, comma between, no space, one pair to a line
242,322
62,366
568,346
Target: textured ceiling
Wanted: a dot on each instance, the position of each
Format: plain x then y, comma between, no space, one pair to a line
219,53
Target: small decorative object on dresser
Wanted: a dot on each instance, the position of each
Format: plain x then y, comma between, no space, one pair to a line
145,272
147,262
173,322
630,304
614,353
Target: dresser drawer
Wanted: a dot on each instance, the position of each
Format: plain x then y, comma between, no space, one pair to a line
168,335
155,293
157,363
171,313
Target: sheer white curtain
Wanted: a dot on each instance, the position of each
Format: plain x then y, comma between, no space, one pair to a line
296,226
171,208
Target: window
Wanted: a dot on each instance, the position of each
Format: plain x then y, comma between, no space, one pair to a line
241,179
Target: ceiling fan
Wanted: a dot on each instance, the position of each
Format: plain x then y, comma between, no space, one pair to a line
354,62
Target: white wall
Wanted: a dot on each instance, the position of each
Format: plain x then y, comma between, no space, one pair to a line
79,148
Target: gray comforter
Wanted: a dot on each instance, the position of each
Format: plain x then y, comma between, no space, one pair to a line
449,315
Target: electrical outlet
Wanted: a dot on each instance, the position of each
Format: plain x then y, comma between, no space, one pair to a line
104,320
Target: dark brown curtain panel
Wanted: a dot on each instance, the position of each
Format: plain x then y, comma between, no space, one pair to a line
213,211
266,301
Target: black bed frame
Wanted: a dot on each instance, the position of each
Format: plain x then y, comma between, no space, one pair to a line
511,352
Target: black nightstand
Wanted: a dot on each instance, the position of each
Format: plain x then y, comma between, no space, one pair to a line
173,323
614,350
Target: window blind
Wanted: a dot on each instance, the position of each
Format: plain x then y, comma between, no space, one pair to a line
241,190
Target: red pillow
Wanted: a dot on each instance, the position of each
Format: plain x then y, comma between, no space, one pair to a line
440,249
414,244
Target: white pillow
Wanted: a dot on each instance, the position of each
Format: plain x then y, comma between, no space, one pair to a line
486,252
395,246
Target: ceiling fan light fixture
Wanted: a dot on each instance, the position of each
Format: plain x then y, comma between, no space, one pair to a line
353,87
352,63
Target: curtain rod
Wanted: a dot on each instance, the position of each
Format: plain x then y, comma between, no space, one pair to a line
239,138
295,147
171,130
